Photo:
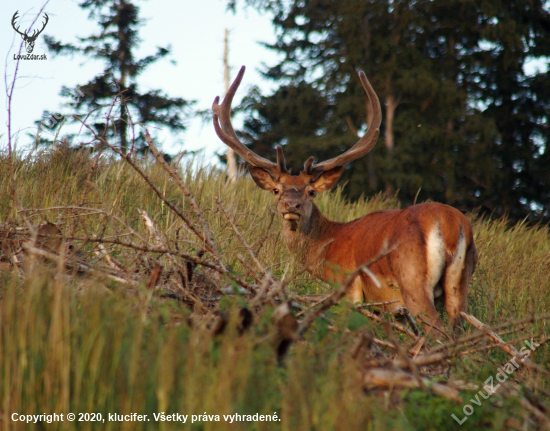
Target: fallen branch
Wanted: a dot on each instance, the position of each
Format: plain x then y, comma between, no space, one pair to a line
382,378
404,356
396,326
76,265
505,347
128,159
185,191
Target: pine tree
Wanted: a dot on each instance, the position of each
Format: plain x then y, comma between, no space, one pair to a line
462,123
518,105
115,45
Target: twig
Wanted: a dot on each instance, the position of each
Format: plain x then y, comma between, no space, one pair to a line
162,250
478,335
421,361
404,356
128,159
502,345
432,326
264,286
338,294
150,225
243,241
185,191
377,304
9,93
394,325
249,268
314,305
541,417
378,378
110,260
498,345
96,163
78,266
264,238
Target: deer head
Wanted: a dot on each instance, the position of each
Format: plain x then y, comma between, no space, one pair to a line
29,40
294,194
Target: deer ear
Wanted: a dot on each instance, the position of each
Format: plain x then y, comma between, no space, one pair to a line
262,178
327,179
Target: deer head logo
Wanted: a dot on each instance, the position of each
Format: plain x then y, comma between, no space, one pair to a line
29,39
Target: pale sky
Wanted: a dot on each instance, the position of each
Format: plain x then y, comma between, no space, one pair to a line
195,29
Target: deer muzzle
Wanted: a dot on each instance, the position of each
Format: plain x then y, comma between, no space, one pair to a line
292,210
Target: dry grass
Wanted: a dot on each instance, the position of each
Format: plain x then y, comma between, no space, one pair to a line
75,342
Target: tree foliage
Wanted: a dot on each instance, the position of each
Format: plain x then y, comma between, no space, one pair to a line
115,45
464,123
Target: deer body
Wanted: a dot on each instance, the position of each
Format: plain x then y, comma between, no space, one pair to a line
435,261
432,249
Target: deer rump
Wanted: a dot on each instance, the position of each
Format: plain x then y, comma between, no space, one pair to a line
434,259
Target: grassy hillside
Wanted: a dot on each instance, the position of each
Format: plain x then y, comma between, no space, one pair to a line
77,340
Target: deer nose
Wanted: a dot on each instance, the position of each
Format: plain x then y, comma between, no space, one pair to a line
293,207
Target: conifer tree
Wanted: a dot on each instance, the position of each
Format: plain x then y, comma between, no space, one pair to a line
115,44
463,123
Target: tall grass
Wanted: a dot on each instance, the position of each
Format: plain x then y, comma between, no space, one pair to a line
83,345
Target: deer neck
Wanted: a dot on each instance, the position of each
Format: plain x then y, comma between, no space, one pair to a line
309,239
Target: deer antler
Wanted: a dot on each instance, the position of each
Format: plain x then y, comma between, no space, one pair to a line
13,24
224,130
362,146
35,33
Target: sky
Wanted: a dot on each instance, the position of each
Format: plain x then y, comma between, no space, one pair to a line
195,29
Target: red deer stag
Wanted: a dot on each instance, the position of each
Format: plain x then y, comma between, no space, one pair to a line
433,249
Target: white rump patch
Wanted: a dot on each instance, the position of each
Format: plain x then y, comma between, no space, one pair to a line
435,258
454,271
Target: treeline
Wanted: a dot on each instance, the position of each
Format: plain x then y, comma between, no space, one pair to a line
465,106
464,87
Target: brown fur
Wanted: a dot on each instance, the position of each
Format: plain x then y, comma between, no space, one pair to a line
430,240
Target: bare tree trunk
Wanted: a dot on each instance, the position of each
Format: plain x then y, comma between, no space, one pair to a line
370,158
391,100
231,158
450,172
371,173
123,128
122,83
391,104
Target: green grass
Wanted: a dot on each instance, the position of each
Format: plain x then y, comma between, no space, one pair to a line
86,345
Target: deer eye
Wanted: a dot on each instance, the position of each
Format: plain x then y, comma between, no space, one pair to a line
312,193
275,191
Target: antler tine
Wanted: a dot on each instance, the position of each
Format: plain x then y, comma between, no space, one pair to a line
281,163
225,131
308,164
35,33
43,27
363,145
14,18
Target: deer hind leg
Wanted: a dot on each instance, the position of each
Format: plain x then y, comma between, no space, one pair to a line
420,303
457,279
420,276
354,294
